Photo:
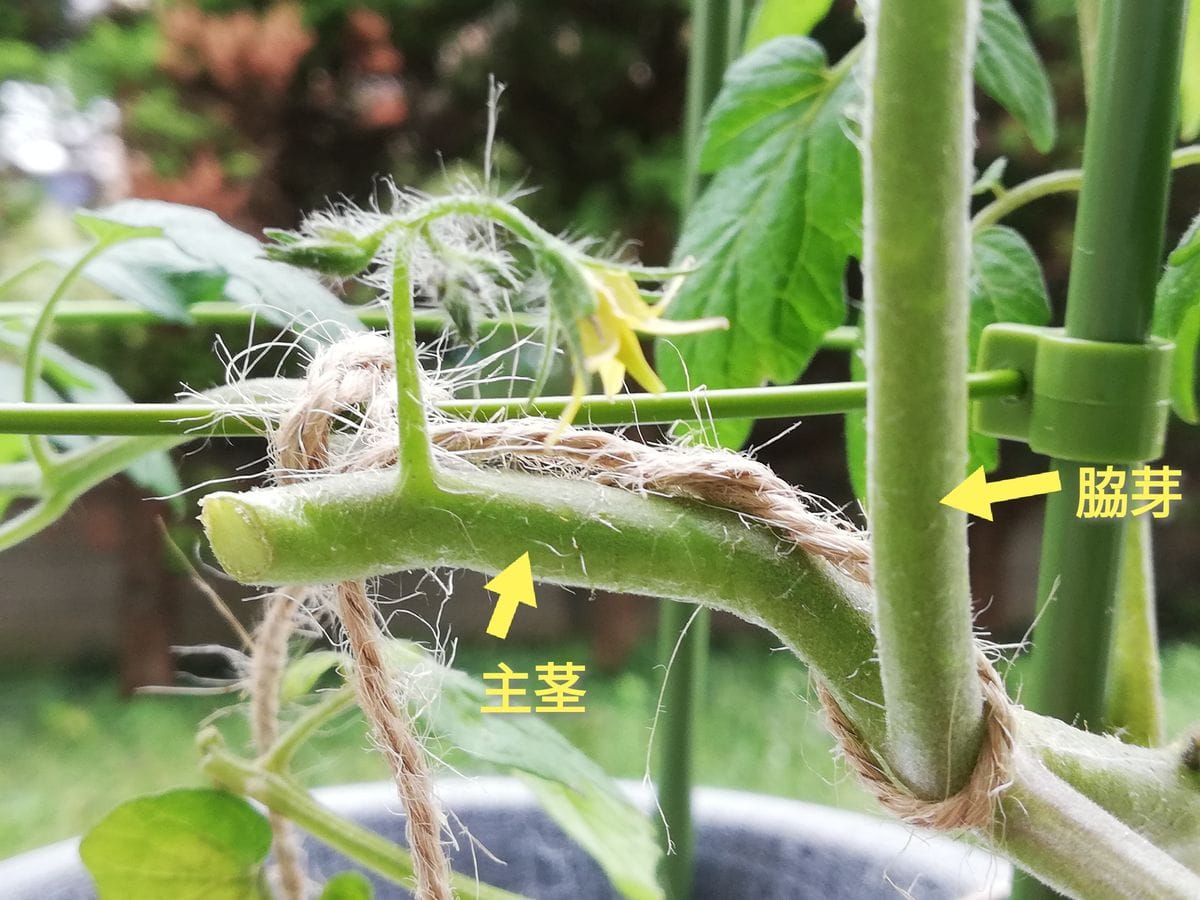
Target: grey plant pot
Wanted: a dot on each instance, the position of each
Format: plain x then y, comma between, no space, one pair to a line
748,846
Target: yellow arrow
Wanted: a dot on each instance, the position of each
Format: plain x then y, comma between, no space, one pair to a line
976,495
515,586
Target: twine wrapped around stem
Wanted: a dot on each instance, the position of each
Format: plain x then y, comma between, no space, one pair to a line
346,420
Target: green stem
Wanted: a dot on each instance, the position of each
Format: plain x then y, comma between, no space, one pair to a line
355,525
717,27
1087,13
1133,695
1151,790
415,456
1077,848
332,705
20,275
917,246
577,533
198,420
224,312
39,446
283,796
1066,181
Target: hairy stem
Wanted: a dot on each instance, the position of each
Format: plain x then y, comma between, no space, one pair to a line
578,534
1077,848
416,456
349,525
916,242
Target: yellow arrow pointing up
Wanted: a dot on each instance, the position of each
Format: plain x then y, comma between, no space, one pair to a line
976,494
515,586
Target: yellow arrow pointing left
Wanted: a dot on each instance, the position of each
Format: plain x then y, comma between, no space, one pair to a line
515,586
976,494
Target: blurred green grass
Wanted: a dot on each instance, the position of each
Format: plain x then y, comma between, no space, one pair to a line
71,748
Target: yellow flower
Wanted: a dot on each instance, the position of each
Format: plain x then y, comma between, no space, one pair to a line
609,336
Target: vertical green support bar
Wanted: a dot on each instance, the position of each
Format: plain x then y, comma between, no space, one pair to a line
1115,267
716,30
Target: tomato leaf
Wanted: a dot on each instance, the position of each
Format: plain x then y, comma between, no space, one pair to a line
284,295
1006,286
182,843
1008,68
1177,318
775,227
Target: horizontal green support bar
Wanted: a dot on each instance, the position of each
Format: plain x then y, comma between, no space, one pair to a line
629,409
214,313
117,312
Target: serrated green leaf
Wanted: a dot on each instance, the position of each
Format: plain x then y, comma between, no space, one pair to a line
182,843
106,231
1008,68
779,18
760,94
773,230
1177,318
1189,80
282,294
348,886
1006,286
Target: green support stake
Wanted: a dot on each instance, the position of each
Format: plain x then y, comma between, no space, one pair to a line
1118,254
716,30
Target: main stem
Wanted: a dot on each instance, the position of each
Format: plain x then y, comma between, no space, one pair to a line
917,179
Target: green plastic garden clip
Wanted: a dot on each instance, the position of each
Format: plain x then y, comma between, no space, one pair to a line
1087,401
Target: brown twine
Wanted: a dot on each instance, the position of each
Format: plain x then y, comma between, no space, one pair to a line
350,392
268,662
353,381
974,805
